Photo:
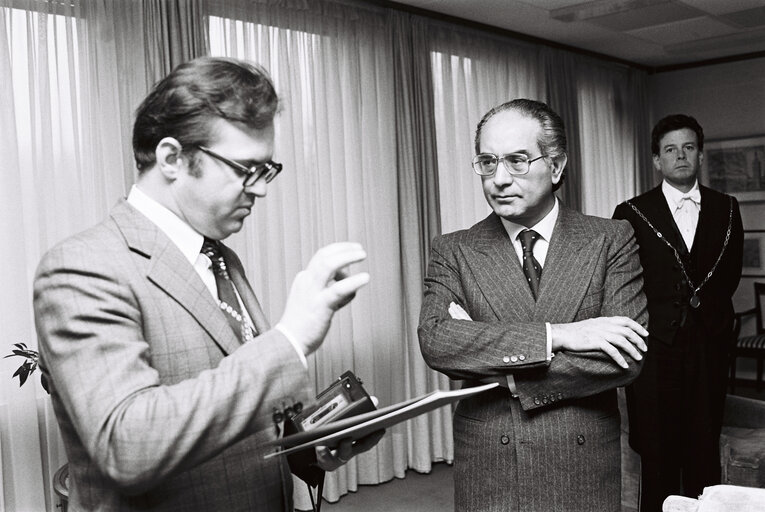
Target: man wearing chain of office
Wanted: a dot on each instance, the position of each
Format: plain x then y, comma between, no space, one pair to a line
691,240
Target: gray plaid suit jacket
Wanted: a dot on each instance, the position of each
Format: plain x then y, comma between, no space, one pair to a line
159,405
555,447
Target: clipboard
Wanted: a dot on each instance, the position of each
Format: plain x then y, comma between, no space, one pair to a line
361,425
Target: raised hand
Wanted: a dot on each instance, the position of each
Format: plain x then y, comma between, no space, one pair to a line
321,289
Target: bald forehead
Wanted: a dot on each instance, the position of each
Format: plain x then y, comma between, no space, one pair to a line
510,125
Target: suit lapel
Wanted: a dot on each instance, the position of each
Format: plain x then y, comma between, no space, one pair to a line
657,211
710,224
171,272
497,271
499,275
571,247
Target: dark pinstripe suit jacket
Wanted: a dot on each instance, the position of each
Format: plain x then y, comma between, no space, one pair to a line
556,447
160,406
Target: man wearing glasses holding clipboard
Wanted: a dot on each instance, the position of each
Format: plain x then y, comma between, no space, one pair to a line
167,380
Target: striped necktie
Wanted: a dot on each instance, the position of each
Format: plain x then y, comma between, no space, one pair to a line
227,299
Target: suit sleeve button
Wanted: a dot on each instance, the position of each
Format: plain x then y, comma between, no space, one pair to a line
536,401
506,359
560,396
514,359
580,439
544,400
504,439
521,357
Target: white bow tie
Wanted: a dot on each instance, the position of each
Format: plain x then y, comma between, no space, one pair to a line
694,196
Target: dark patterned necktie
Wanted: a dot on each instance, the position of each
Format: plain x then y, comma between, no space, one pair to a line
227,298
531,266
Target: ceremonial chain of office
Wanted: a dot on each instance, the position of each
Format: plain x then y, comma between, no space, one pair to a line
695,301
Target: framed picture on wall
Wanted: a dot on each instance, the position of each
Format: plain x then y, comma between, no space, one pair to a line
754,253
736,167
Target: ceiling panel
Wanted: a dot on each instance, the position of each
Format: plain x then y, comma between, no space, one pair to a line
683,31
748,18
723,6
647,16
651,33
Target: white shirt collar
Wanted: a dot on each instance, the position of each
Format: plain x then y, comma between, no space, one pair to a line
544,227
181,234
674,196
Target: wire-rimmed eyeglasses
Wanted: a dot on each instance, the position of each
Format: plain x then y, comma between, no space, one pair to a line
268,170
485,164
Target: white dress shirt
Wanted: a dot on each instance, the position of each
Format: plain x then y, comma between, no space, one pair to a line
685,208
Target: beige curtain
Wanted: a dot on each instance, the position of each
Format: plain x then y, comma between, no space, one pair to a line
71,73
612,134
338,70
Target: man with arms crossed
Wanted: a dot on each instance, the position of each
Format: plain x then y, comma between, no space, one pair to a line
165,376
562,343
691,244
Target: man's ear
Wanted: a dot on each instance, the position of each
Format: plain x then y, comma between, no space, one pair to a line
169,160
657,163
558,164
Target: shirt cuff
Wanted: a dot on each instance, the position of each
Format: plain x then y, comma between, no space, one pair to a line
511,385
291,339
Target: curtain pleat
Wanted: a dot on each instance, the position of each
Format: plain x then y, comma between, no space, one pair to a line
645,176
176,32
430,435
561,80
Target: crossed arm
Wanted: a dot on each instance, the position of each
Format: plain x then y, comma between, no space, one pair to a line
591,354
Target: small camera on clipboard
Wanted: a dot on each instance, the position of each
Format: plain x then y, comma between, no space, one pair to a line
343,398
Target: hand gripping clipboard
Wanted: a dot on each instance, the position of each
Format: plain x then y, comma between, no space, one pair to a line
361,425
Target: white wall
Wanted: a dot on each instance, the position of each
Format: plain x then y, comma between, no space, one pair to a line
728,100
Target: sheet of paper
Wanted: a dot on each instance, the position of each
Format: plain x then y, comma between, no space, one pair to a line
359,426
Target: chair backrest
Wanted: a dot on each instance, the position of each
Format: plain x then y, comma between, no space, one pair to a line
759,307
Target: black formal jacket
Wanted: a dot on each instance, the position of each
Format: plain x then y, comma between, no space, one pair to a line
665,286
710,326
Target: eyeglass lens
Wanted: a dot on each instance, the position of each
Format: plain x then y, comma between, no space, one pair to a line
486,164
265,171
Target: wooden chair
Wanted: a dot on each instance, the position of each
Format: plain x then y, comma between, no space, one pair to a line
751,346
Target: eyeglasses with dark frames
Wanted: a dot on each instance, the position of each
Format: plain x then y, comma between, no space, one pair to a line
268,170
485,164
